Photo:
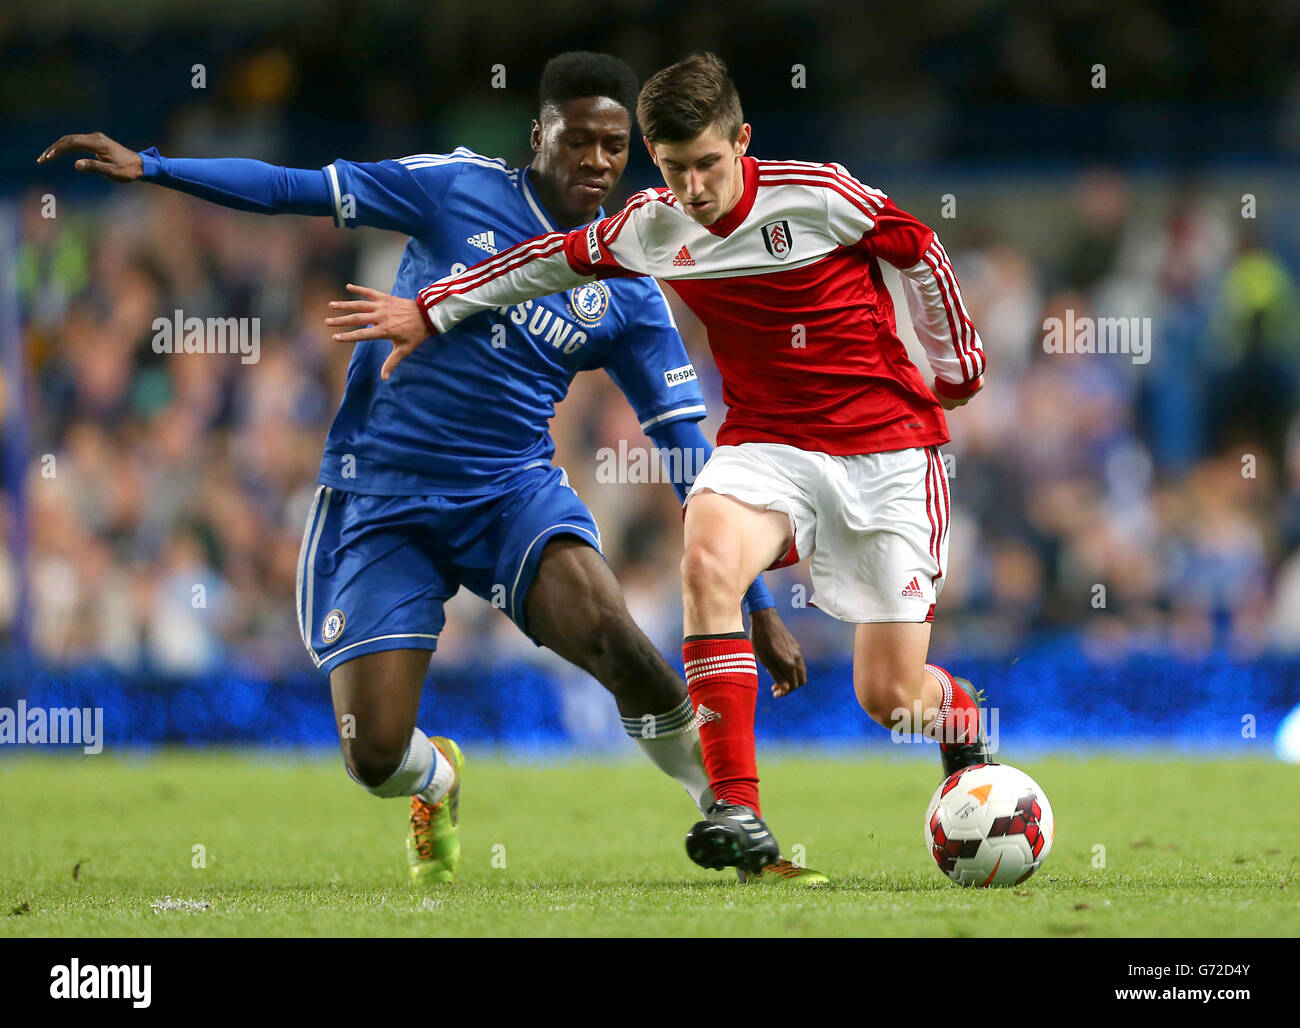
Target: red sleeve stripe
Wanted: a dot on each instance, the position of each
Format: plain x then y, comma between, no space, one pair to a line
869,212
613,226
815,178
837,169
522,254
947,306
459,286
947,280
516,257
879,194
970,338
473,276
963,330
507,254
486,267
873,198
608,231
956,288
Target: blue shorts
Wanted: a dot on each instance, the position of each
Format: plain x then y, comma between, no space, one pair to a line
375,571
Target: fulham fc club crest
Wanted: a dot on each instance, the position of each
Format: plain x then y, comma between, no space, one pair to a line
776,237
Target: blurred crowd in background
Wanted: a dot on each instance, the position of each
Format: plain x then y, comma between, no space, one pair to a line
1149,506
1173,484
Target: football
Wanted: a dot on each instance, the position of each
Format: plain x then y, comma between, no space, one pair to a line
989,824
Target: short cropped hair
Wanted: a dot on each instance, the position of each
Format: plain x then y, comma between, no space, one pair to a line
580,73
679,102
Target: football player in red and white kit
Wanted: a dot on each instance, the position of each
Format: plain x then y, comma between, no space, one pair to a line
830,448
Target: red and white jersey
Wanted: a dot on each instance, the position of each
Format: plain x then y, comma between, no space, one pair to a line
788,285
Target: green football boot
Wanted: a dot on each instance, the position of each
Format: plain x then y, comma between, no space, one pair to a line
433,845
785,874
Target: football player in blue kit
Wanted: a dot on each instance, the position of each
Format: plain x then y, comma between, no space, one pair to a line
441,475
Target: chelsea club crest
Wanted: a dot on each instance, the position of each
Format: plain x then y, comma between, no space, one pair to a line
332,627
589,302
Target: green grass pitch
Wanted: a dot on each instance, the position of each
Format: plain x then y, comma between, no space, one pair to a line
105,846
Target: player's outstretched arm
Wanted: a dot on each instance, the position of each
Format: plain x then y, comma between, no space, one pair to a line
234,182
774,645
536,267
531,269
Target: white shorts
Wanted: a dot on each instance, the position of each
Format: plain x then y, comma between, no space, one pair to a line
874,524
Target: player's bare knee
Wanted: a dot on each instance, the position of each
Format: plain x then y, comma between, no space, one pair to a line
708,576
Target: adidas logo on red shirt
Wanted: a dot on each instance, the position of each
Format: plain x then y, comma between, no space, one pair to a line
683,259
914,589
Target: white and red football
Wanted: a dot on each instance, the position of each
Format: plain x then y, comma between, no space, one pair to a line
989,824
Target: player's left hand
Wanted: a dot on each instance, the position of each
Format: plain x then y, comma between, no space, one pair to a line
380,316
778,651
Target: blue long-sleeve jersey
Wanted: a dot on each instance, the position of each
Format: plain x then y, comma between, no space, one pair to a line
466,412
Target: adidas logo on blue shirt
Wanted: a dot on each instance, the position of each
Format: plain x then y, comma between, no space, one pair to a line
484,241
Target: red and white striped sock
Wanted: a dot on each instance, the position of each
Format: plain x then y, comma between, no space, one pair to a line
722,678
959,717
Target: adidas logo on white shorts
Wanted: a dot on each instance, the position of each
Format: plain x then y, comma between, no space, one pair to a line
913,590
484,241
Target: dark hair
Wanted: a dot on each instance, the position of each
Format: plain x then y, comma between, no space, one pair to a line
581,73
680,102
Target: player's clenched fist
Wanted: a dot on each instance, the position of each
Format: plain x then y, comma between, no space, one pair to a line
112,159
380,316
